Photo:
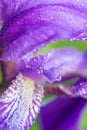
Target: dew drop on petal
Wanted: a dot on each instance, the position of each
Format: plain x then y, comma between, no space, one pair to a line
59,78
81,37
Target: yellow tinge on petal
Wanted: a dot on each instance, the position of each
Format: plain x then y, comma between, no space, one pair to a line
29,87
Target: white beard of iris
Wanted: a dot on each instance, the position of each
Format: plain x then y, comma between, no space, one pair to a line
20,104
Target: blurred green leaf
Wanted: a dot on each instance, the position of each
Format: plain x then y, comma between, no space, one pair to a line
84,120
35,125
48,98
59,44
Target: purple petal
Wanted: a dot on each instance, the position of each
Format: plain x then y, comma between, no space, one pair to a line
26,35
19,104
60,63
20,5
63,114
30,30
16,6
79,90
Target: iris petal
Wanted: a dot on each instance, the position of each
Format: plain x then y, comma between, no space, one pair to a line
79,90
19,104
66,113
20,5
41,23
60,63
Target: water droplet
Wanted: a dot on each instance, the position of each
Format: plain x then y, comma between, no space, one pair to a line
40,71
27,66
59,78
80,84
81,37
51,17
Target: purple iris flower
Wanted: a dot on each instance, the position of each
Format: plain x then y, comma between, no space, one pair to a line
26,27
